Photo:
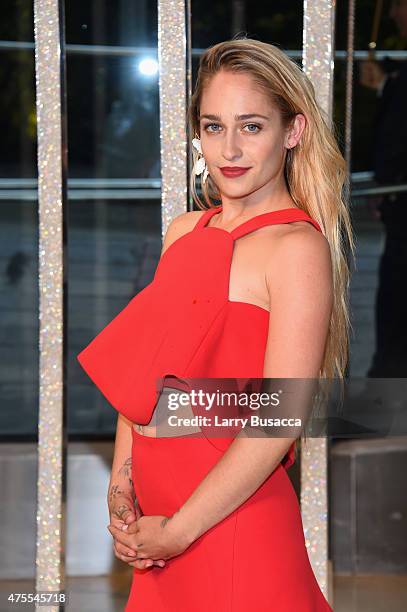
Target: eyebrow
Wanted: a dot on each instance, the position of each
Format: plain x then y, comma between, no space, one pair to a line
237,117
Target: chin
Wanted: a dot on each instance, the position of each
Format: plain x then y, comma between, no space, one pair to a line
237,195
235,190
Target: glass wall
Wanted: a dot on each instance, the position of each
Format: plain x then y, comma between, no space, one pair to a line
114,180
19,224
19,297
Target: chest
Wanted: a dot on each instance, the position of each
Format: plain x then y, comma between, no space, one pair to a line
210,265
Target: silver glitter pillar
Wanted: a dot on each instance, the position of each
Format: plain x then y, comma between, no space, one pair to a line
48,33
318,64
350,50
174,84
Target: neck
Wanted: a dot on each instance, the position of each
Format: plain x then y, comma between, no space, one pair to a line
255,203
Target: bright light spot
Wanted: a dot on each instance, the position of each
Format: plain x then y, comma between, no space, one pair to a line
148,66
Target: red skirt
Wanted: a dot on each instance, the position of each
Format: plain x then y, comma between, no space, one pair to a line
255,558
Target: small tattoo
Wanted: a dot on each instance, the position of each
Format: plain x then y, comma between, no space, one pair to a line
125,470
121,510
114,492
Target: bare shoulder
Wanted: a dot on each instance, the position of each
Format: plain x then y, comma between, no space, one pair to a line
180,225
300,251
302,242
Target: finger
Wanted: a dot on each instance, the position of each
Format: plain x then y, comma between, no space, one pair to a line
128,521
126,554
122,511
131,559
142,563
122,507
124,550
123,557
120,535
146,563
132,527
130,518
139,563
120,523
131,551
116,522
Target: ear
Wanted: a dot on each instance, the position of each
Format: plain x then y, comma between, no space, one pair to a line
295,131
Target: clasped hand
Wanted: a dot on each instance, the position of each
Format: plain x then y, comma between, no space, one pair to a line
152,537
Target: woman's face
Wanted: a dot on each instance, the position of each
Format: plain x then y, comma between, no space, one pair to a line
240,128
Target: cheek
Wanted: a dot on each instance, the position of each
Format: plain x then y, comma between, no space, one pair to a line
209,148
268,156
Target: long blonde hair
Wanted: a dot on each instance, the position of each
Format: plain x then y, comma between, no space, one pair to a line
315,171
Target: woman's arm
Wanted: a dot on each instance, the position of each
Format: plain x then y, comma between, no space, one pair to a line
122,502
301,296
121,485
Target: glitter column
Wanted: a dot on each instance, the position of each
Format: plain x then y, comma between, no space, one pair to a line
174,82
318,64
49,65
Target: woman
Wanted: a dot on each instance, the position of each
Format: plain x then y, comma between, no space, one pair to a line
255,287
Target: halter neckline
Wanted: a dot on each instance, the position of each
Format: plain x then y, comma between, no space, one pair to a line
268,218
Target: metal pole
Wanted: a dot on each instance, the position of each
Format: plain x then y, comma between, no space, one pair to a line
52,171
173,61
349,83
318,64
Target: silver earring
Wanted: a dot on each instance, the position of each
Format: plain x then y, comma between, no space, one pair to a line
200,164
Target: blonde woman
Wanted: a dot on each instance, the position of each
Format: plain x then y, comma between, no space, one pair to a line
254,284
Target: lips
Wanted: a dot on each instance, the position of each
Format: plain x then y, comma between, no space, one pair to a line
232,172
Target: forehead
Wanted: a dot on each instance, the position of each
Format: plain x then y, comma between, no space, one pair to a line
231,91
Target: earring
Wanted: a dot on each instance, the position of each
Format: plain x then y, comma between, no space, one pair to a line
200,164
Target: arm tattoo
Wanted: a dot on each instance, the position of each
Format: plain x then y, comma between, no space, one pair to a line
125,470
120,510
115,491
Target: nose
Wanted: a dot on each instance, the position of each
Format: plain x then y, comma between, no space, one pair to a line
230,146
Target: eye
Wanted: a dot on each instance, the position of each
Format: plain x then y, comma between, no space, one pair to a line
208,125
258,127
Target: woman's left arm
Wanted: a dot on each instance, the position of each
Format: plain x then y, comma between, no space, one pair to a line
301,298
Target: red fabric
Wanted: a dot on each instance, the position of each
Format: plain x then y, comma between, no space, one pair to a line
184,326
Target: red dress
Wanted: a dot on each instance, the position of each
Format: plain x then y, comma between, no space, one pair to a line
183,325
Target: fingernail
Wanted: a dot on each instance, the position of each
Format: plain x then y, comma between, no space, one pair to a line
149,563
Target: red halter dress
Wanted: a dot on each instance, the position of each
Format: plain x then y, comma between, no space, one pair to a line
183,325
